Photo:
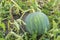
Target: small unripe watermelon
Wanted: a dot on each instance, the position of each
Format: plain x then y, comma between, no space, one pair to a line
37,22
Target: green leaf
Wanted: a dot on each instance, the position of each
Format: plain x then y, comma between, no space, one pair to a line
16,24
58,38
54,25
2,25
1,38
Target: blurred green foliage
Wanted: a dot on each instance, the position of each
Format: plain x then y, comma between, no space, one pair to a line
9,8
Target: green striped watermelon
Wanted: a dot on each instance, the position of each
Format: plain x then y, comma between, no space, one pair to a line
37,22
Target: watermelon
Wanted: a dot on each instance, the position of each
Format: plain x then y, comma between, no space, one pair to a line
37,23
